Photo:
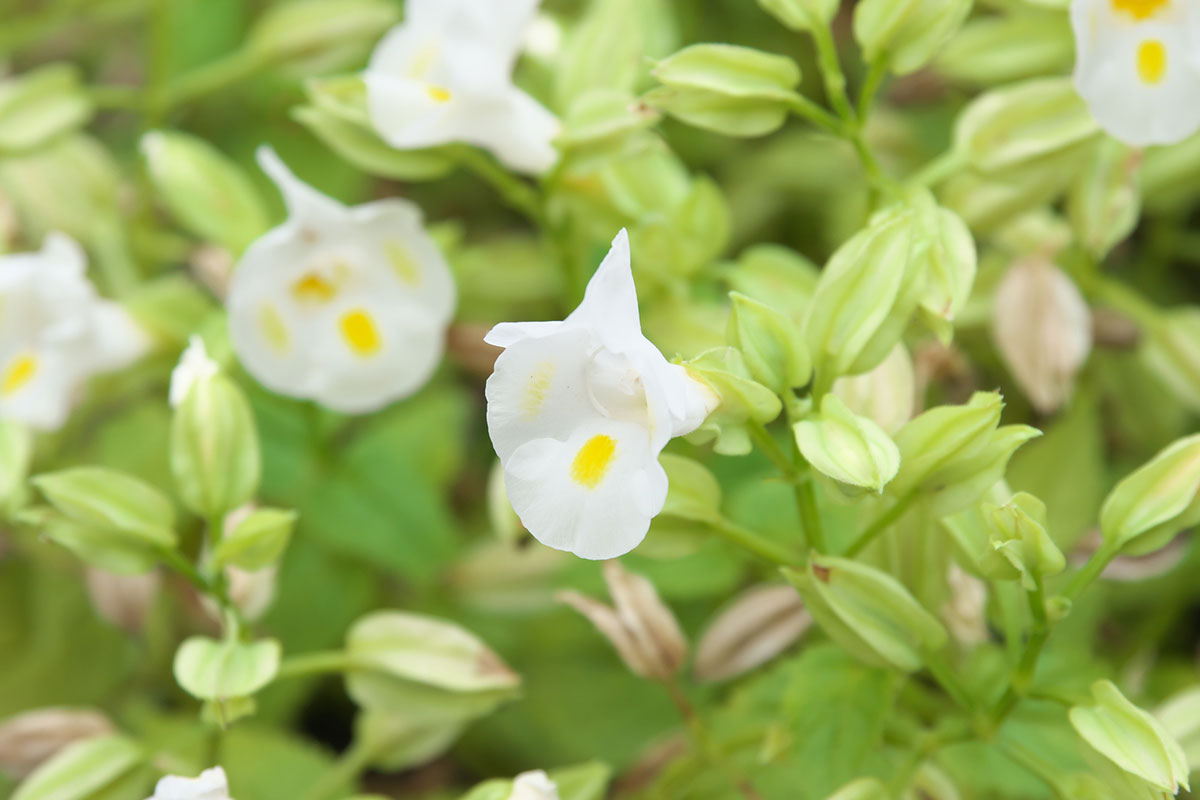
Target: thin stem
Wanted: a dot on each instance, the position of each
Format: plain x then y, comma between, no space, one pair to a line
831,71
870,88
177,562
1091,570
754,543
353,762
881,524
321,663
518,194
803,107
762,437
1022,676
703,742
938,169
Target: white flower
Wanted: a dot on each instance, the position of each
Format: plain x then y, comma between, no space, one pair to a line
533,785
345,306
55,333
578,412
445,75
210,785
1138,67
194,365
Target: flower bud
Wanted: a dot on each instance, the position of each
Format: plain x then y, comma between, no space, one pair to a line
777,276
944,248
1105,201
641,628
601,123
209,669
724,370
1148,507
770,343
30,739
97,766
965,612
752,629
735,91
997,49
256,541
1014,125
802,15
1019,537
321,35
1172,352
41,105
849,449
123,600
868,612
1043,328
861,789
1180,717
533,785
886,394
1131,738
906,34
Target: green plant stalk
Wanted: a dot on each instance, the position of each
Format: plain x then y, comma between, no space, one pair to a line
805,491
938,170
880,524
831,72
516,193
1022,676
236,67
762,437
1091,570
876,72
802,107
754,543
350,765
704,744
320,663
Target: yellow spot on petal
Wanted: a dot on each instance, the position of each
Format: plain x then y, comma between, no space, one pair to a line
359,331
593,460
273,328
440,94
403,263
539,387
1151,61
313,287
1139,9
18,373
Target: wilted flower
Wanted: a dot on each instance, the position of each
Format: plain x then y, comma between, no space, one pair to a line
1137,68
194,365
1043,328
578,412
208,785
758,625
642,629
123,600
533,785
445,75
345,306
29,739
56,333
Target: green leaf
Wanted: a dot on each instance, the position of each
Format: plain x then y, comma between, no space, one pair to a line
209,669
40,105
257,541
83,771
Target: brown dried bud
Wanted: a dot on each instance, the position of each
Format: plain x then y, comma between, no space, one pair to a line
29,739
965,612
756,626
123,600
642,629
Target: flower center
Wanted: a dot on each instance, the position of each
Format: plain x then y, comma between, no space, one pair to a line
313,287
1139,9
18,373
1151,61
360,333
593,460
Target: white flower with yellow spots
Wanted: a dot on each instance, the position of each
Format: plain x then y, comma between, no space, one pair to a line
345,306
55,333
208,785
445,75
1137,65
578,412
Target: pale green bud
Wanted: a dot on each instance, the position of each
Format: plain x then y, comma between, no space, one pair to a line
886,394
688,237
214,448
604,50
802,15
868,612
736,91
724,370
694,493
970,533
41,105
321,35
85,770
1180,716
16,454
861,789
209,669
1148,507
1016,124
770,343
944,246
907,34
997,49
257,541
1019,537
777,276
1105,201
207,193
602,123
1131,738
848,448
397,741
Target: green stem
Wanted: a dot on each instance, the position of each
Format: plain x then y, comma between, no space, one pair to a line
938,169
320,663
234,68
870,88
1022,676
881,524
762,437
754,543
704,744
518,194
1091,570
352,763
803,107
173,559
831,71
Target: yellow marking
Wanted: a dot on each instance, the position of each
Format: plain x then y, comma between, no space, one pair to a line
313,287
440,94
20,371
273,328
1139,9
402,263
539,387
592,460
419,67
1151,61
360,332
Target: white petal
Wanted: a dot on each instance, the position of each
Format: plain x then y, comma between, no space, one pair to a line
522,134
194,365
303,202
209,785
610,304
408,116
534,785
697,401
506,334
117,339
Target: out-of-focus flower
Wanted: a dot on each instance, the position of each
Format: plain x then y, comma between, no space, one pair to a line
345,306
533,785
1043,329
55,333
123,600
758,625
445,75
1137,66
208,785
29,739
886,394
641,628
194,365
965,611
578,412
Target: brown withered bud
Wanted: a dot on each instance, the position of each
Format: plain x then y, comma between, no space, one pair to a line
29,739
123,600
965,611
756,626
641,628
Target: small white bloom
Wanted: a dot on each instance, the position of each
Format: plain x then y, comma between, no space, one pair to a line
445,75
55,333
578,412
194,365
209,785
345,306
533,785
1138,67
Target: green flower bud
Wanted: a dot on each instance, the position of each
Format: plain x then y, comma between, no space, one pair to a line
688,237
1105,201
802,15
16,454
207,193
848,448
861,789
602,123
321,35
694,494
1019,537
944,247
724,371
736,91
868,612
772,346
1148,507
214,448
777,276
209,669
257,541
1180,716
970,533
41,105
1131,738
1016,124
997,49
907,34
88,769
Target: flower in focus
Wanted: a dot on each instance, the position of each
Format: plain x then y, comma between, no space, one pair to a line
533,785
194,365
1138,67
345,306
578,412
55,333
445,75
209,785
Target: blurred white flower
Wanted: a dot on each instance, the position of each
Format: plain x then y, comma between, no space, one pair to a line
56,332
1137,65
445,75
578,412
194,365
345,306
533,785
209,785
